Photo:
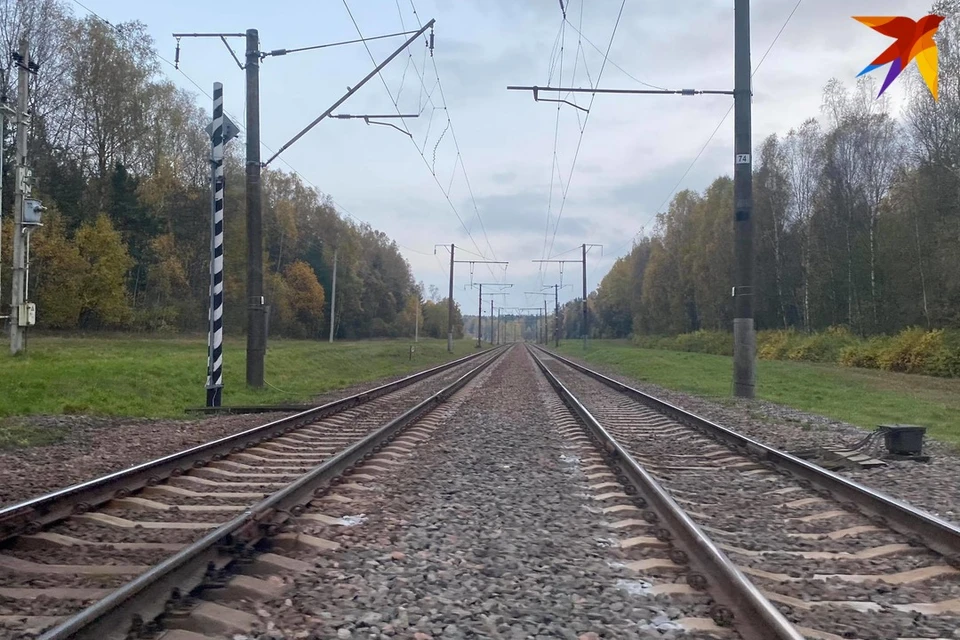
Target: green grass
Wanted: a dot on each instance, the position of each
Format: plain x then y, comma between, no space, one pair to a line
159,377
863,397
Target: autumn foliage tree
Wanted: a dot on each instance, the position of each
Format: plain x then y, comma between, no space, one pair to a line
856,215
121,155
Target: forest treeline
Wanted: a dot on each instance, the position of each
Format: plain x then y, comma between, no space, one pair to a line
121,161
857,223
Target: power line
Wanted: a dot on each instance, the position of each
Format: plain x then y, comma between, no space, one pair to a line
720,124
419,150
586,119
240,127
554,168
599,50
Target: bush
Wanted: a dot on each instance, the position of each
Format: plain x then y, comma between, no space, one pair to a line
822,347
914,350
716,342
946,362
774,345
865,354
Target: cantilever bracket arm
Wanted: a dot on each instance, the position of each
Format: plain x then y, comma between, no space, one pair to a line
368,119
350,92
682,92
536,96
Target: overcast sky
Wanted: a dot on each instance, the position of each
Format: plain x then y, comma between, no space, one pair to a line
633,150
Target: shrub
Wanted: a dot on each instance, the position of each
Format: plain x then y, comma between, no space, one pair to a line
909,350
946,362
718,343
822,347
866,354
774,345
914,350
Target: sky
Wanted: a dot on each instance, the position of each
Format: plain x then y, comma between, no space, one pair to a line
493,171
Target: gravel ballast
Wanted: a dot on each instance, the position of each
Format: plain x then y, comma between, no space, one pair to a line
934,486
746,506
485,531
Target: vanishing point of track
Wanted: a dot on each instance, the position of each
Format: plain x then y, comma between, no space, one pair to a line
744,540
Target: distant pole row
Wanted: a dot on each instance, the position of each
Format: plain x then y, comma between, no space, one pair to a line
744,335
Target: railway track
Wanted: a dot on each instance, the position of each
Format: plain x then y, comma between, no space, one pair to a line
786,549
109,557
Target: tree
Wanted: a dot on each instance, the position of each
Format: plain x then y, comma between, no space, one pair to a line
58,273
103,294
307,297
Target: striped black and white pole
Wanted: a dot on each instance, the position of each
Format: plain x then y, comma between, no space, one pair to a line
215,340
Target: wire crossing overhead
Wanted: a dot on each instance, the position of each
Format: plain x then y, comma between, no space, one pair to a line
352,90
427,93
481,285
583,303
453,262
682,92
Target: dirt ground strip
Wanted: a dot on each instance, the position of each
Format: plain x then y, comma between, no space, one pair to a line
94,446
485,531
934,486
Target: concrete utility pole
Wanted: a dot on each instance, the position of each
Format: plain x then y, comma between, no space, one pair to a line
333,295
583,305
744,337
546,322
491,322
256,320
256,306
18,323
556,310
450,303
481,285
545,295
453,261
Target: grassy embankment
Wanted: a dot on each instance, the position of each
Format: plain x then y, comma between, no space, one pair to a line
860,396
159,377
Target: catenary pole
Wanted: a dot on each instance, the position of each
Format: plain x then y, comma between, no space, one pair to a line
215,337
744,337
450,304
583,318
333,295
256,320
17,293
583,264
480,318
556,318
546,323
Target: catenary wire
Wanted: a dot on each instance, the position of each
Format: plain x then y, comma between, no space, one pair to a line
419,150
709,139
586,119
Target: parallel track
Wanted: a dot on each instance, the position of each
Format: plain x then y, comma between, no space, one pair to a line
97,558
762,526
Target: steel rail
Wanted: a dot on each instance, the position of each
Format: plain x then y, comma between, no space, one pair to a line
146,596
31,515
934,532
754,616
